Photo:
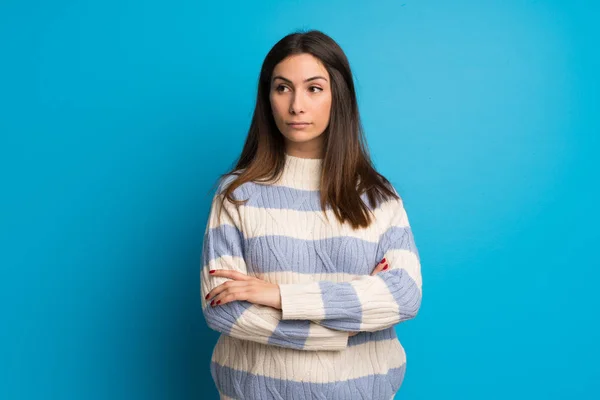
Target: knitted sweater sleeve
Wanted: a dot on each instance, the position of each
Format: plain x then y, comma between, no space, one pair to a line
223,248
370,303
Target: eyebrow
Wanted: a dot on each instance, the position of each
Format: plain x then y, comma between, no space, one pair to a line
306,80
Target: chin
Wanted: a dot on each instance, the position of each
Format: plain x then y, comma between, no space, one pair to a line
300,136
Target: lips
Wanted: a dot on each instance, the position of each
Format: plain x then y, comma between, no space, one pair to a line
299,126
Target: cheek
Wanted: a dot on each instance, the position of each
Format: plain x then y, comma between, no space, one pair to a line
277,108
324,109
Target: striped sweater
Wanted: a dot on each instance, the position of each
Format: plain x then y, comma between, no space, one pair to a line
322,267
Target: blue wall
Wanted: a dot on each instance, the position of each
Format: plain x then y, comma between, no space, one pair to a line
117,116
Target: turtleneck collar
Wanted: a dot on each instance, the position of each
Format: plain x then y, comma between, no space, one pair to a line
301,173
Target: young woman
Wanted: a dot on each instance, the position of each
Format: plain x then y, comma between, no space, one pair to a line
294,232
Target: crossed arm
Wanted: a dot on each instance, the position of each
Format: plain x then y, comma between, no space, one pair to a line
306,316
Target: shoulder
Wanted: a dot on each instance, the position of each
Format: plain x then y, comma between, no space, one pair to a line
390,211
382,198
225,181
242,192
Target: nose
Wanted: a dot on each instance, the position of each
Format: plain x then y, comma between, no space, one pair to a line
297,103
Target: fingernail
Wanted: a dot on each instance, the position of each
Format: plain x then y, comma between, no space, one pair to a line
385,267
219,302
211,271
212,303
383,260
206,297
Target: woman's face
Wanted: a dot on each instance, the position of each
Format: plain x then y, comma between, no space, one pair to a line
301,93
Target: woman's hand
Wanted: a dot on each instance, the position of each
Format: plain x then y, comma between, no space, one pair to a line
244,287
382,266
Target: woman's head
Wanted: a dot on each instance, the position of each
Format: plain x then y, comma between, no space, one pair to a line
300,92
306,77
331,101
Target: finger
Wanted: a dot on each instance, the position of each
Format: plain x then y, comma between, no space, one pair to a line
222,287
383,265
229,295
378,268
227,273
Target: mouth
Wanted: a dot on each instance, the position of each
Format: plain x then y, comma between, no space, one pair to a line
299,126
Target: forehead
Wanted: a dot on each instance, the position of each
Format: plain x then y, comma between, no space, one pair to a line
298,67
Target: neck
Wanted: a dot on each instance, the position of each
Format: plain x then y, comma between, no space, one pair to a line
301,173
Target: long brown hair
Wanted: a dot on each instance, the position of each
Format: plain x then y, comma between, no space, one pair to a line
347,168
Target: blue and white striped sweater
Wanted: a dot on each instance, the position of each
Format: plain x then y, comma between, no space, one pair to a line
323,269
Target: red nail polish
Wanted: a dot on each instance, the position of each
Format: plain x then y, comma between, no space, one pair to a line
383,260
206,297
211,271
219,302
212,303
385,267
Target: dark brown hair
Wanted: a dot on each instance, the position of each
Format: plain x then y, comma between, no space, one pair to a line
347,168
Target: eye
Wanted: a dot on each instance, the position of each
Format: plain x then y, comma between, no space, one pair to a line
315,87
280,88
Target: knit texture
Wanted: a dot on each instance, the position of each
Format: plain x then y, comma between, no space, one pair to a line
304,351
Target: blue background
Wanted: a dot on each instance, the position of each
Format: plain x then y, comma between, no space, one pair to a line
116,117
